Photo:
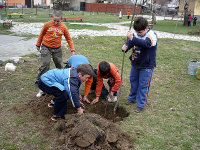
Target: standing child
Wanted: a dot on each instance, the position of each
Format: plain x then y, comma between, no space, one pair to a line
143,61
108,71
64,84
49,41
128,14
74,62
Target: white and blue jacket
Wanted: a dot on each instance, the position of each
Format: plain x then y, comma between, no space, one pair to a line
146,47
64,79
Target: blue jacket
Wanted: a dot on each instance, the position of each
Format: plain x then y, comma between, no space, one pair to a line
64,79
146,47
76,60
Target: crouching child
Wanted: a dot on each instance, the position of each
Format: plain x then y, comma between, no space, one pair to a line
64,84
106,70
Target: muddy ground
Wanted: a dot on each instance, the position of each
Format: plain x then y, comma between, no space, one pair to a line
94,130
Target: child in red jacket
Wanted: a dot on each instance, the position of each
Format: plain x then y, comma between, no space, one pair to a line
108,71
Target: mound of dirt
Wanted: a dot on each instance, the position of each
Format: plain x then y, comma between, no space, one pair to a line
92,132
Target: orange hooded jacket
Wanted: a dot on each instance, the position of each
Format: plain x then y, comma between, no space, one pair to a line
51,35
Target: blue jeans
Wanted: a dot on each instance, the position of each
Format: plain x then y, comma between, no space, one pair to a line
140,79
60,99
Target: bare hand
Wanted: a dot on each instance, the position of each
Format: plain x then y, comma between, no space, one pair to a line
82,105
124,47
38,48
111,95
79,110
85,98
95,100
81,98
130,35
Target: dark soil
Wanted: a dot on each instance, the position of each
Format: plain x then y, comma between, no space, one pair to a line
94,130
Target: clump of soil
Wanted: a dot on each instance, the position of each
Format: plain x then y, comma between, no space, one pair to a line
94,130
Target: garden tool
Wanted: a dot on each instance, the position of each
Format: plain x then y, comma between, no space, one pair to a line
119,94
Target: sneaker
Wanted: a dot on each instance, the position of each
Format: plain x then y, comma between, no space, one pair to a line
40,93
51,104
114,98
108,98
129,102
56,118
138,109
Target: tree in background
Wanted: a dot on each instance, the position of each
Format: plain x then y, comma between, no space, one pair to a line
186,5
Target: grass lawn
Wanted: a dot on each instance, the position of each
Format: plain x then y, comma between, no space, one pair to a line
170,120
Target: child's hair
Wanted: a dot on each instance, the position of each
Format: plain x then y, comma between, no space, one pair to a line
140,23
85,69
57,13
104,68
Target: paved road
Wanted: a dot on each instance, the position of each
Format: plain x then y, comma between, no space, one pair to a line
13,46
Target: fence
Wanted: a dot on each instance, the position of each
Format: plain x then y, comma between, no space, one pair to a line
112,8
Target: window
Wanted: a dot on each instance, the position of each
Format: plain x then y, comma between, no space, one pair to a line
43,1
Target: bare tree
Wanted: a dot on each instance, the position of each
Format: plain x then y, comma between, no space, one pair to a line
186,5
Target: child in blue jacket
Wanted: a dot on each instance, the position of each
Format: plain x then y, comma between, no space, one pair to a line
73,62
64,84
143,61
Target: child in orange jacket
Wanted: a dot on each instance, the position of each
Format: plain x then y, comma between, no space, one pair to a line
108,71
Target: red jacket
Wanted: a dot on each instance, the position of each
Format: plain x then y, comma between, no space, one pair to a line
114,72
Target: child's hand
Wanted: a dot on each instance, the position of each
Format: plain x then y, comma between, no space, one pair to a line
95,100
79,110
38,48
85,98
82,105
124,47
80,97
111,95
130,35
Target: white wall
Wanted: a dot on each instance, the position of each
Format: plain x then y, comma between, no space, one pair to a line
76,3
36,2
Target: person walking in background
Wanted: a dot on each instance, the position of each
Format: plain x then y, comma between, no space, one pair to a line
49,44
128,14
189,20
194,21
143,61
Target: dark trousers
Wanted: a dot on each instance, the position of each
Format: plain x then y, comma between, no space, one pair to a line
60,99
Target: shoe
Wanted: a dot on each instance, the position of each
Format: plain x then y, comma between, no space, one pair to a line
108,98
114,98
138,109
51,104
40,93
129,102
56,118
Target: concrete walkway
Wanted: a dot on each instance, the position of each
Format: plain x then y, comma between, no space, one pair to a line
13,46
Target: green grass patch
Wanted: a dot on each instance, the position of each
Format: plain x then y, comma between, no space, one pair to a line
177,27
170,120
83,26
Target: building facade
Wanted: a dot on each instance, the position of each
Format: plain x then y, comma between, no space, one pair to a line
193,9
